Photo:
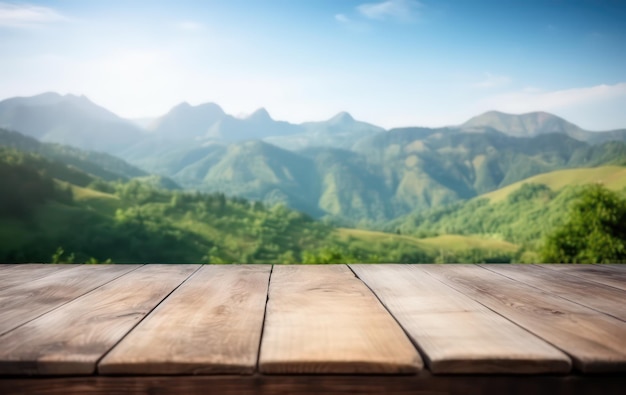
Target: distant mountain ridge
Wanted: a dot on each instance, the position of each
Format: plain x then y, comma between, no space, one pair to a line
340,167
98,164
94,164
77,121
68,119
535,124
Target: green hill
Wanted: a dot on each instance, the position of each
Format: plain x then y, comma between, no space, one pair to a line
522,213
135,222
613,177
97,164
442,249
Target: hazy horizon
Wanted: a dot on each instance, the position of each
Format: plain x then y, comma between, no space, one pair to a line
392,63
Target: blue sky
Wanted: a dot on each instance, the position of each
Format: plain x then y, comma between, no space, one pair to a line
389,62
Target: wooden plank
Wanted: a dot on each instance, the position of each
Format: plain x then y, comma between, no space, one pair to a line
70,339
599,297
455,333
595,341
603,274
18,274
422,384
31,299
322,319
211,324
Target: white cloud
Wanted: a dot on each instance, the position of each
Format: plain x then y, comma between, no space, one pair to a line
342,18
599,107
354,25
190,26
26,15
492,81
532,99
404,10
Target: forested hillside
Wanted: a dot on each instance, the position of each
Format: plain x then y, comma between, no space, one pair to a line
384,176
524,214
53,212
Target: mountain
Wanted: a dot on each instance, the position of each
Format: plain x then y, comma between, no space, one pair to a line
208,121
187,122
69,119
524,125
386,175
348,170
537,123
254,170
256,126
94,163
341,131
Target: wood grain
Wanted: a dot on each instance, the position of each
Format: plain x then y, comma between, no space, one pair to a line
595,341
31,299
70,339
18,274
211,324
608,300
455,333
322,319
603,274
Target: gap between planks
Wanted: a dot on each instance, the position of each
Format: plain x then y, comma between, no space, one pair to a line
595,341
611,275
20,305
323,319
454,333
72,338
602,298
210,324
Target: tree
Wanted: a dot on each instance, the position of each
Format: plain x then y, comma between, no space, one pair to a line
595,232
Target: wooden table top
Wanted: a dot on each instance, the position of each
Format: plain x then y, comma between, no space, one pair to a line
309,329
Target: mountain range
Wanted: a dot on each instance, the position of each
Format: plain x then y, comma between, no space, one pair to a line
342,168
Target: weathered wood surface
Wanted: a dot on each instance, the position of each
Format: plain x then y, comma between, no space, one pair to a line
612,275
72,338
210,324
598,296
322,319
31,299
595,341
18,274
455,333
171,329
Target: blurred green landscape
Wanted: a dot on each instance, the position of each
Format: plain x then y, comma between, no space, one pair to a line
412,195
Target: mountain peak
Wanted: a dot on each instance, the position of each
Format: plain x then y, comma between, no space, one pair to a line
182,106
342,117
185,107
260,115
521,125
47,95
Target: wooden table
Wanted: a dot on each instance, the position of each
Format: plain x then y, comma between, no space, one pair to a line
261,329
